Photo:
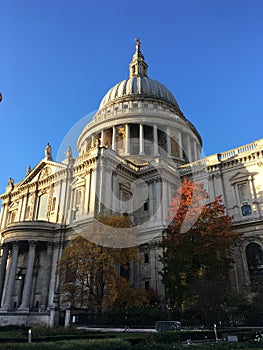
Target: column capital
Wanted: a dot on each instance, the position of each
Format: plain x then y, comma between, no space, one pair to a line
50,246
15,245
32,243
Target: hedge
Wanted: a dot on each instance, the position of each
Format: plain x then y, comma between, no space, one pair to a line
109,344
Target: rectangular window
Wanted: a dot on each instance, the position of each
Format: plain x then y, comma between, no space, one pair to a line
244,192
147,285
146,258
12,217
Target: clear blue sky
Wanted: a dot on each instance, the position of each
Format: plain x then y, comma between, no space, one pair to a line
59,57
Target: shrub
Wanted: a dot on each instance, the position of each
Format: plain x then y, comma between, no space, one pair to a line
163,337
158,346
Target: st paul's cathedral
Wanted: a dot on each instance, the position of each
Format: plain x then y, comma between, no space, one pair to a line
131,159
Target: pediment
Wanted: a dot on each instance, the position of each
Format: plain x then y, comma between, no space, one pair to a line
41,171
13,205
78,182
241,176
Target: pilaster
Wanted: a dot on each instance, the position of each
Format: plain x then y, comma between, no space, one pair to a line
45,287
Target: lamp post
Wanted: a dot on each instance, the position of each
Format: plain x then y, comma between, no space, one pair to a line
29,336
215,331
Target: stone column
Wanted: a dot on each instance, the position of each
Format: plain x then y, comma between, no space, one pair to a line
3,268
29,276
4,216
165,201
155,140
158,201
127,140
100,187
85,148
189,155
45,286
168,135
87,193
141,137
113,142
92,198
1,214
150,196
114,196
154,196
92,141
7,303
196,151
102,138
20,209
180,144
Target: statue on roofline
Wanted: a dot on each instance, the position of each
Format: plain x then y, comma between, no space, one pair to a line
11,182
48,152
69,153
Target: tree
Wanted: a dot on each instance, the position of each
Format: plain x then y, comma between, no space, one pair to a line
90,272
197,248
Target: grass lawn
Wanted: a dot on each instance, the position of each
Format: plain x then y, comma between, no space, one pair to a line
72,338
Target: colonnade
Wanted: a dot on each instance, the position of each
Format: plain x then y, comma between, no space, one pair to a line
187,145
9,275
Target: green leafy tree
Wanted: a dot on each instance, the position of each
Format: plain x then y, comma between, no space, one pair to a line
197,248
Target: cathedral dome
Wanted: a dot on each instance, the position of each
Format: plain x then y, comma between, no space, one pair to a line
139,117
138,85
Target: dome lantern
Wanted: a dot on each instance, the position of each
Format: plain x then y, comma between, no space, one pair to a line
138,67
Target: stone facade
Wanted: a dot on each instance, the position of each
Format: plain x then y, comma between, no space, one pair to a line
132,157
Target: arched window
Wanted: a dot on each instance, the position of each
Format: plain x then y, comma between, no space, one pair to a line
254,255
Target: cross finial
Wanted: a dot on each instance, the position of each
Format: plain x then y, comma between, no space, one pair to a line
138,44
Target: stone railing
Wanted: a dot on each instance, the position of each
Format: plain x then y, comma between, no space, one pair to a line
219,157
239,150
122,110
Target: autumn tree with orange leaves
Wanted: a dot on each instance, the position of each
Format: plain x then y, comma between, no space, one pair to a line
90,272
197,248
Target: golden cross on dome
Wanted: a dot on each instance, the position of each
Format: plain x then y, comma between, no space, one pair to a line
138,44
